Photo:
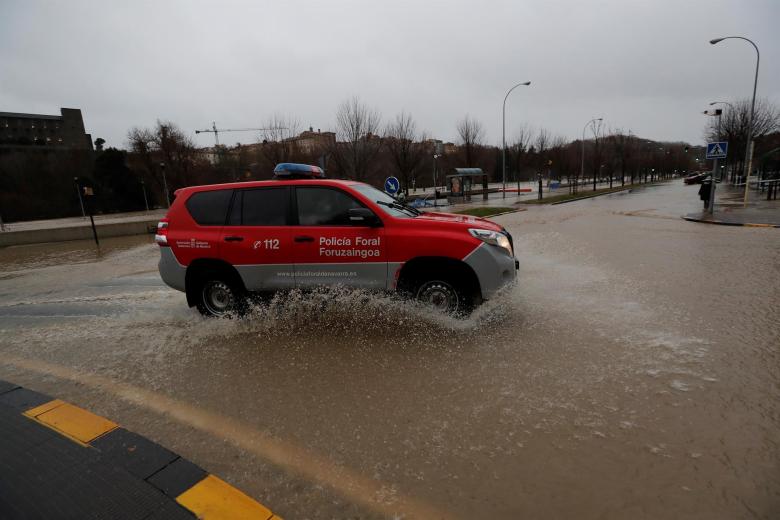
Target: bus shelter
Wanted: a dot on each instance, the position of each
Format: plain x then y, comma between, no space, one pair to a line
465,182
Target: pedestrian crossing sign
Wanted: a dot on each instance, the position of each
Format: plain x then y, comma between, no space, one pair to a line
717,150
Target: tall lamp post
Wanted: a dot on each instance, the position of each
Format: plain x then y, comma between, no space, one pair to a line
749,145
503,137
582,162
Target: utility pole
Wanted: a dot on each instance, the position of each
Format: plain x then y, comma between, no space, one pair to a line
78,192
731,107
165,186
143,188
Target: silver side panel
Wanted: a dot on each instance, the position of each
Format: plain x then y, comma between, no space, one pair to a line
494,268
171,271
267,277
363,275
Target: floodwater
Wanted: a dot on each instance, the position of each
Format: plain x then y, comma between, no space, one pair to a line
631,373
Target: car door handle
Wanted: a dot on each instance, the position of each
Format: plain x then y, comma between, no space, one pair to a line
234,239
304,238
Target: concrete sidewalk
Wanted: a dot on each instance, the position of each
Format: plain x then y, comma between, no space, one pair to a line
730,210
60,461
79,228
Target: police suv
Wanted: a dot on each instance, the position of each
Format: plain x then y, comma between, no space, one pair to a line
220,243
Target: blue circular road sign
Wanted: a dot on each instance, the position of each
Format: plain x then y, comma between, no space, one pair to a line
392,185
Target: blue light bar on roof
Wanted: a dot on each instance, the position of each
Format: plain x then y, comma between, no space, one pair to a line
298,170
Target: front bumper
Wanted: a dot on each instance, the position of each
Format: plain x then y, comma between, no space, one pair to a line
494,268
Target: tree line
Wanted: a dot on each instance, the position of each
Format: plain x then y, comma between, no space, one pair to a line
37,182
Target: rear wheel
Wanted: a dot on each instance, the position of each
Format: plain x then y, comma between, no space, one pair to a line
219,297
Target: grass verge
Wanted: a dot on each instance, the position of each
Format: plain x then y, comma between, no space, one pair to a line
485,211
582,194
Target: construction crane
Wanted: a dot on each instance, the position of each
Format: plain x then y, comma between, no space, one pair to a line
214,130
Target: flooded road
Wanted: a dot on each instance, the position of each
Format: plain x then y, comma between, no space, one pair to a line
632,373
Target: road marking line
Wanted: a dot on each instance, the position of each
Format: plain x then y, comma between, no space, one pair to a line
213,498
367,492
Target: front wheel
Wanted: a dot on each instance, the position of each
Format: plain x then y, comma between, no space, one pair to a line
443,296
219,298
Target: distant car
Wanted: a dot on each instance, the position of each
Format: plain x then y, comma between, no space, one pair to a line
696,178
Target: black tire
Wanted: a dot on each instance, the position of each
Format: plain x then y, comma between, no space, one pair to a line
218,296
444,295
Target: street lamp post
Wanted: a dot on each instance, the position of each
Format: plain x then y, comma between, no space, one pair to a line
503,137
748,147
165,186
143,188
78,192
435,185
582,162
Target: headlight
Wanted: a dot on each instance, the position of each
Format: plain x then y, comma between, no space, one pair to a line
494,238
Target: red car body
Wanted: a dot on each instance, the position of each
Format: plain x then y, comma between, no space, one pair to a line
234,231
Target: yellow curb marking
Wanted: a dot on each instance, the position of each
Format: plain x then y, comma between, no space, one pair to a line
352,485
215,499
73,422
45,407
211,498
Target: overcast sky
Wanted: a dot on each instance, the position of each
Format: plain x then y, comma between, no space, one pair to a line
646,65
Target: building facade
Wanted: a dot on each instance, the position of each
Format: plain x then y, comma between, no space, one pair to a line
65,130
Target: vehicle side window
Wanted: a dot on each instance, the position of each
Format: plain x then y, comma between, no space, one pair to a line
209,208
265,207
324,206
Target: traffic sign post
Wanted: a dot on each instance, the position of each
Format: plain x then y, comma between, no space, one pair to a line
392,185
715,151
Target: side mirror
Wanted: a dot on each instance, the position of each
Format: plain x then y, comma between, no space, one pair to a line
363,217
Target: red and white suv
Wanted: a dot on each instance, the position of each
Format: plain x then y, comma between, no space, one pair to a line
219,243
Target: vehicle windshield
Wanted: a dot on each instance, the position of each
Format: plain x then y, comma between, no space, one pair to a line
388,204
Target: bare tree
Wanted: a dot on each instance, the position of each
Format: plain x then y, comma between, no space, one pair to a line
734,128
357,143
564,162
542,144
621,147
597,150
518,151
165,144
405,148
472,134
278,139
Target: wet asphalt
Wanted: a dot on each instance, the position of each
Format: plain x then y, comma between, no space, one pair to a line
631,373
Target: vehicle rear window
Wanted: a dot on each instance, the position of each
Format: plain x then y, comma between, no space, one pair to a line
265,207
324,207
209,208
